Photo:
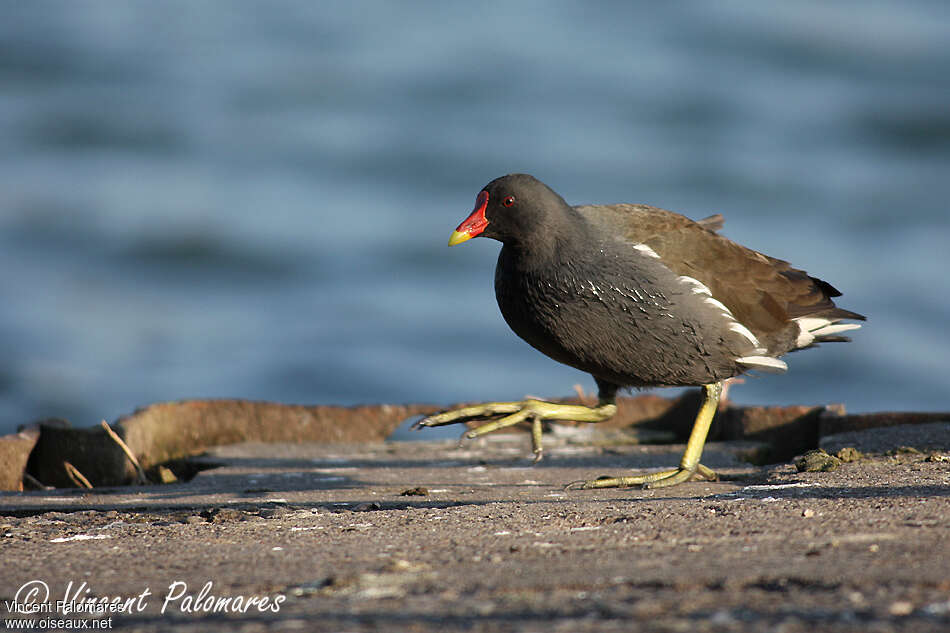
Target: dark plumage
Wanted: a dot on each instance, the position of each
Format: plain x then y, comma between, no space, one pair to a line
572,282
639,296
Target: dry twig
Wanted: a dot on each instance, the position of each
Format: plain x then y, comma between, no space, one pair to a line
76,477
139,473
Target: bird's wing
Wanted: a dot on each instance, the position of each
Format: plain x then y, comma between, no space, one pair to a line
763,293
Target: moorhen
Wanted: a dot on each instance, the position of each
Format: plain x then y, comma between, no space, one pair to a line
638,297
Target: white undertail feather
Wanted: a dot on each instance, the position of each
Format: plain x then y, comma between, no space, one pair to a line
811,328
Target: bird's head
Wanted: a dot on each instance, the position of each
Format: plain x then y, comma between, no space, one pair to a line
510,209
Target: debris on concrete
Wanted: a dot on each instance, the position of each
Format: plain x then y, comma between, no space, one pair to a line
325,538
817,461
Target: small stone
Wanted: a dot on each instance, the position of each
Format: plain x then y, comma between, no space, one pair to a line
223,515
722,618
402,565
367,507
817,461
166,476
901,607
906,454
937,608
808,513
849,454
418,491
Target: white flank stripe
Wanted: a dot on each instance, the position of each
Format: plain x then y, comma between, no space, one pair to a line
764,363
646,250
738,328
699,288
718,304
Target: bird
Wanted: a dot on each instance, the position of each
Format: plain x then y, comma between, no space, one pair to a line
637,296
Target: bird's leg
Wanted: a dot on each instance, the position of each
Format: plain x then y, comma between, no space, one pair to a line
531,410
538,410
689,464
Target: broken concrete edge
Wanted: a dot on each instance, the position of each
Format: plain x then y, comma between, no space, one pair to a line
168,431
15,451
163,432
833,423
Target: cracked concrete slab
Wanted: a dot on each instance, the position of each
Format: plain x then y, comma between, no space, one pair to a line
423,536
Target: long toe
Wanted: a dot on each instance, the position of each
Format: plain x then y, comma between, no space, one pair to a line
513,413
660,479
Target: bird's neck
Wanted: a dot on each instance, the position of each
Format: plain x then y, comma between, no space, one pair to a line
562,237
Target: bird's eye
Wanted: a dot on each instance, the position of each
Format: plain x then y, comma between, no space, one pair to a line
510,200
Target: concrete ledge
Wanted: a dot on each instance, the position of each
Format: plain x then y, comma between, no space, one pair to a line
426,537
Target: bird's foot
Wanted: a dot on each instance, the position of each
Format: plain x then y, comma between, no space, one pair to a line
505,414
660,479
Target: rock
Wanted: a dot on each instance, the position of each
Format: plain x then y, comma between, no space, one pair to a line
817,461
849,454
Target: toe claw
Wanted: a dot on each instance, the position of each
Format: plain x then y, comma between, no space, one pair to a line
464,436
585,484
419,424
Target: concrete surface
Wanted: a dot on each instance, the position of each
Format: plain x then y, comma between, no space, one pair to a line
426,537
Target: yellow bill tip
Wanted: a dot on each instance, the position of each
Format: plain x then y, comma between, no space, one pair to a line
458,237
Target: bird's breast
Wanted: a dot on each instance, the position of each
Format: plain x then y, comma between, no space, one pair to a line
594,322
632,323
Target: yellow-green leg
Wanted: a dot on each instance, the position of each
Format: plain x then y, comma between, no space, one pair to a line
531,410
689,464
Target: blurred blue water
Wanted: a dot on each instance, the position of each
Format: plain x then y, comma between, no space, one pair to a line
252,199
